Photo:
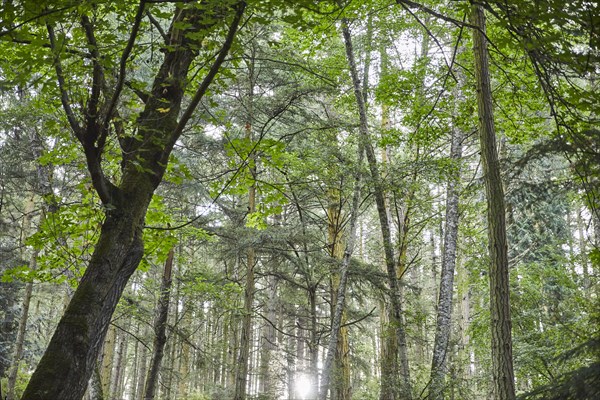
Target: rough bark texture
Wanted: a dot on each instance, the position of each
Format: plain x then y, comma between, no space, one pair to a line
160,329
67,364
502,361
389,382
444,308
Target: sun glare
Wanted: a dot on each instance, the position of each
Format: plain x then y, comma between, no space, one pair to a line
303,387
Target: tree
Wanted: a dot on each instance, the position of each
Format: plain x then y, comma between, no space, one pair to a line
71,355
502,361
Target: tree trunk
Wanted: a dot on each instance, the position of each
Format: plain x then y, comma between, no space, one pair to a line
389,381
444,307
108,352
241,380
67,364
502,361
341,371
142,368
340,297
160,329
20,340
121,367
22,327
268,389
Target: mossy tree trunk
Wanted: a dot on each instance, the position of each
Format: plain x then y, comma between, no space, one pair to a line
67,364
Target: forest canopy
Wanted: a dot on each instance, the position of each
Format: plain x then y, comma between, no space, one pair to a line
229,199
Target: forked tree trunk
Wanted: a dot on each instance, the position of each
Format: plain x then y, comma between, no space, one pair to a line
502,362
67,364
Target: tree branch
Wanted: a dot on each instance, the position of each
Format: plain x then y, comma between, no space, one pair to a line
123,64
64,94
214,69
93,138
157,26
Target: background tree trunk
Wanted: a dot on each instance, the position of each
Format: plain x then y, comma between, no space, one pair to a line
444,309
502,361
341,371
241,380
160,329
389,380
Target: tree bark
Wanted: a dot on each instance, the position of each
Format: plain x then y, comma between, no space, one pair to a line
160,329
444,308
67,364
502,361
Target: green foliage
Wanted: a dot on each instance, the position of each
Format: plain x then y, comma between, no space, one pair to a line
63,242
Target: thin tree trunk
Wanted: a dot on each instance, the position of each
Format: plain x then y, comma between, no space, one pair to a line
313,343
267,387
444,307
343,272
583,251
160,328
21,330
341,372
49,205
502,361
389,382
20,340
241,381
122,364
95,385
142,368
108,351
